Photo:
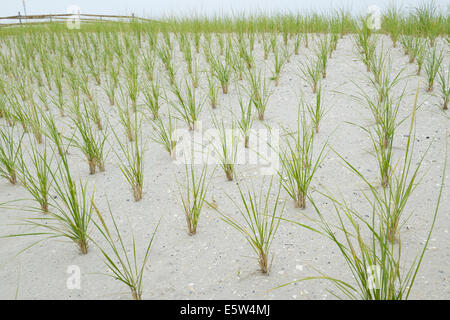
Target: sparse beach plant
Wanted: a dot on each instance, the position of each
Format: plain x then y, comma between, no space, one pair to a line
193,193
132,79
36,177
10,154
71,216
195,74
43,98
310,71
392,22
187,105
133,165
164,135
55,136
222,71
322,53
421,52
213,91
432,64
149,64
93,112
245,122
428,21
125,118
121,261
90,142
111,83
152,95
316,111
82,83
259,92
34,119
298,165
226,149
444,86
278,63
266,46
261,214
297,42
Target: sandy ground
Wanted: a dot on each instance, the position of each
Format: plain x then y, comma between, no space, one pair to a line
217,263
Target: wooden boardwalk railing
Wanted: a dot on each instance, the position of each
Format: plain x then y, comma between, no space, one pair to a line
83,17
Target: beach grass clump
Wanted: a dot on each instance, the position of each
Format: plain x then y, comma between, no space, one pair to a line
35,176
131,71
245,51
152,94
10,154
311,71
365,41
73,215
195,74
279,60
421,52
111,82
245,122
34,118
385,110
90,142
92,110
298,162
261,215
226,147
164,134
186,104
323,52
444,86
316,111
222,70
213,91
433,61
126,118
193,193
149,64
259,91
120,260
18,111
428,20
132,166
391,21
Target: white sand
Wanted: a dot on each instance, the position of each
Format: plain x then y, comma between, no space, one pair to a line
217,263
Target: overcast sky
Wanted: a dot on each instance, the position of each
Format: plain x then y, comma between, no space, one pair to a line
158,8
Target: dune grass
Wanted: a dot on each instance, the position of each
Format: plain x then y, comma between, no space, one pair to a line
10,154
120,260
444,86
227,147
132,165
298,163
36,177
373,258
260,213
193,193
432,64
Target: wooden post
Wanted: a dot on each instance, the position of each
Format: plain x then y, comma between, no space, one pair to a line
20,19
